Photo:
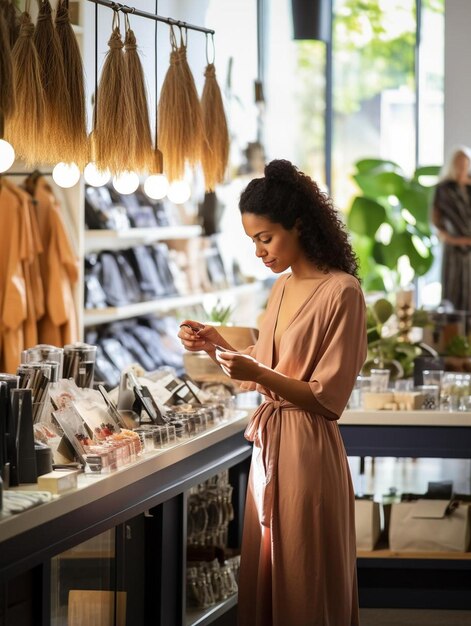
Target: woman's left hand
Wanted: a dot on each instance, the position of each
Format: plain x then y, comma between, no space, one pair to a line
239,366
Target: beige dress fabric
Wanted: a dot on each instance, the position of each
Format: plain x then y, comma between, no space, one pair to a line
298,565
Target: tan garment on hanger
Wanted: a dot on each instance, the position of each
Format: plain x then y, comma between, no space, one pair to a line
13,306
33,281
298,563
36,280
59,271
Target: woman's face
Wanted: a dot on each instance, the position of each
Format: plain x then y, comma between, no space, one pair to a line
277,247
461,163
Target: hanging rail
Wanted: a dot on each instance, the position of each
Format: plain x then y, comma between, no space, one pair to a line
167,20
28,173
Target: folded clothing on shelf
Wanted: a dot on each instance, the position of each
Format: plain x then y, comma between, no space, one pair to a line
101,212
105,208
149,341
119,278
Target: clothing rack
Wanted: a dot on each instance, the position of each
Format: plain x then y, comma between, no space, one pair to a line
116,6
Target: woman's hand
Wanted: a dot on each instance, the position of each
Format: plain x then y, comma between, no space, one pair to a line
195,336
239,366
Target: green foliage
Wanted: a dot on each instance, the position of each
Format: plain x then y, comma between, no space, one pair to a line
382,310
374,48
366,216
370,54
434,5
400,205
310,99
458,346
390,352
219,313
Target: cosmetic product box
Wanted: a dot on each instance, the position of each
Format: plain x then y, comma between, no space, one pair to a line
58,481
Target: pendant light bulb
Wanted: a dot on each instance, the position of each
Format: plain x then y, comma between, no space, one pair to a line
66,174
156,186
179,191
7,155
95,177
126,182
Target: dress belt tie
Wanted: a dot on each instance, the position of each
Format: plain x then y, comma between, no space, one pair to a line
264,430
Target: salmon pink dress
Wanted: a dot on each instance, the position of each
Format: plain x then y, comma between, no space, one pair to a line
298,564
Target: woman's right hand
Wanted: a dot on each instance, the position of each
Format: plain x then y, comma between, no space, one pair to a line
196,336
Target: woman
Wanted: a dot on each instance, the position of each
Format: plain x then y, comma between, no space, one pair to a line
298,553
452,217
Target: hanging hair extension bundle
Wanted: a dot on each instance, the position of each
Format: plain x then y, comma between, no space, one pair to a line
10,14
74,78
7,93
180,125
57,121
25,127
141,151
171,117
215,151
114,130
196,136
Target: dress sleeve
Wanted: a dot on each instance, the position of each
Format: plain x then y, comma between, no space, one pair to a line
342,351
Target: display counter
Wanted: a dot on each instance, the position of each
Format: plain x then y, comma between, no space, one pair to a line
419,579
433,434
147,501
152,489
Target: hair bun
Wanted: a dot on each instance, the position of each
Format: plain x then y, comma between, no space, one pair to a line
281,171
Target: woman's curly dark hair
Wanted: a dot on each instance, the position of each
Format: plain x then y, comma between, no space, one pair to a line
288,197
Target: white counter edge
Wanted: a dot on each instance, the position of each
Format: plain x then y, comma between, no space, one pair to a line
360,417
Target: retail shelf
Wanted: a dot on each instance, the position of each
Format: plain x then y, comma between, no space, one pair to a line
201,617
437,580
93,317
116,239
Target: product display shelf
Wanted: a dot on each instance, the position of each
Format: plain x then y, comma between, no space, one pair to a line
145,504
96,240
410,579
438,580
202,617
92,487
94,317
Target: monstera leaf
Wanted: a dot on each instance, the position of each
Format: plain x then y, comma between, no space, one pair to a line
380,184
366,216
377,165
402,205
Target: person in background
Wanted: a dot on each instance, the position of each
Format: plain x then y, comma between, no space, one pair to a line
451,215
298,559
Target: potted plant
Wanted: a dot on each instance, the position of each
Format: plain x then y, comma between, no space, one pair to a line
387,350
